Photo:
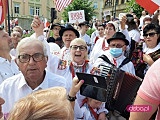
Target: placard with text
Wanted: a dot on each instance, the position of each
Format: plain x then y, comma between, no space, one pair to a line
76,16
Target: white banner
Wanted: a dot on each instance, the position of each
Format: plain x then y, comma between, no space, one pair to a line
76,16
107,13
157,2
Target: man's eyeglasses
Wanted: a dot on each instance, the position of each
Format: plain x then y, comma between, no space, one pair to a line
37,57
81,48
46,31
116,46
57,29
150,34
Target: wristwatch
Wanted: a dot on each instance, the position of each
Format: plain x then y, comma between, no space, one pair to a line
71,98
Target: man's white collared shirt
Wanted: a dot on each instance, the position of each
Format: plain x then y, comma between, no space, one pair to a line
7,69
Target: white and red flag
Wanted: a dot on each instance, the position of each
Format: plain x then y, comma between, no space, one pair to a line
46,22
60,4
3,10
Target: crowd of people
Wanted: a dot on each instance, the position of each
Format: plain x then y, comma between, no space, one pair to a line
38,73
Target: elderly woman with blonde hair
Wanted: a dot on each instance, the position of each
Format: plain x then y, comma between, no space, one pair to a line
79,63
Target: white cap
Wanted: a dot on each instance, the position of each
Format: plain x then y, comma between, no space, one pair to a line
115,25
147,16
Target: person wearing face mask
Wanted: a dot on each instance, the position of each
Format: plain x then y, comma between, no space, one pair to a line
117,46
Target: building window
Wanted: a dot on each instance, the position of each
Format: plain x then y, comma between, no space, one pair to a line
16,8
37,10
108,3
95,5
31,10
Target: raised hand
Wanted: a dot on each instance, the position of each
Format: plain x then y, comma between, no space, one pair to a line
37,25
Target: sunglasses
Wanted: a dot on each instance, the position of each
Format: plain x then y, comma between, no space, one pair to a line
149,34
46,31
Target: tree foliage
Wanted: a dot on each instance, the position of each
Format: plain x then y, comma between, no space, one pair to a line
137,9
80,5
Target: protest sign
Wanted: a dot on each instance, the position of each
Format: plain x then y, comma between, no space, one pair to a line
76,16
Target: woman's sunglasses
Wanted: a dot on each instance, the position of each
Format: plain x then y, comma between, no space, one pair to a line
149,34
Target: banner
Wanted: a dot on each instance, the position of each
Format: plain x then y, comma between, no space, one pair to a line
76,16
107,13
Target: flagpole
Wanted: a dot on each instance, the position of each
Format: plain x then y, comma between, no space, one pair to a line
9,30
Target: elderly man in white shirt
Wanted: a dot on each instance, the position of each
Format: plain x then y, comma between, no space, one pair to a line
32,64
51,64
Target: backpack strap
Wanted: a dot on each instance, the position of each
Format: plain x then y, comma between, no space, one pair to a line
125,61
105,58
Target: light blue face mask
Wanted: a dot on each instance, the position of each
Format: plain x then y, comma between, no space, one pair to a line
116,52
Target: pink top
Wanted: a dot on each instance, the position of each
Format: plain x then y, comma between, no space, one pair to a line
150,88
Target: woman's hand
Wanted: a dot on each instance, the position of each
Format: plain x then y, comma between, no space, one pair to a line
76,84
148,59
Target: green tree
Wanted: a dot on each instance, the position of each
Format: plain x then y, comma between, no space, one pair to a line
80,5
137,9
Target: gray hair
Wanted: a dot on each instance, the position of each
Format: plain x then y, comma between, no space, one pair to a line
30,40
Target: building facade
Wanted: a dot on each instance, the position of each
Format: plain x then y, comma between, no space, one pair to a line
105,8
98,7
114,7
24,10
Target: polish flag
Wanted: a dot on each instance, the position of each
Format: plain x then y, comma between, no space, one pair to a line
46,23
3,10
